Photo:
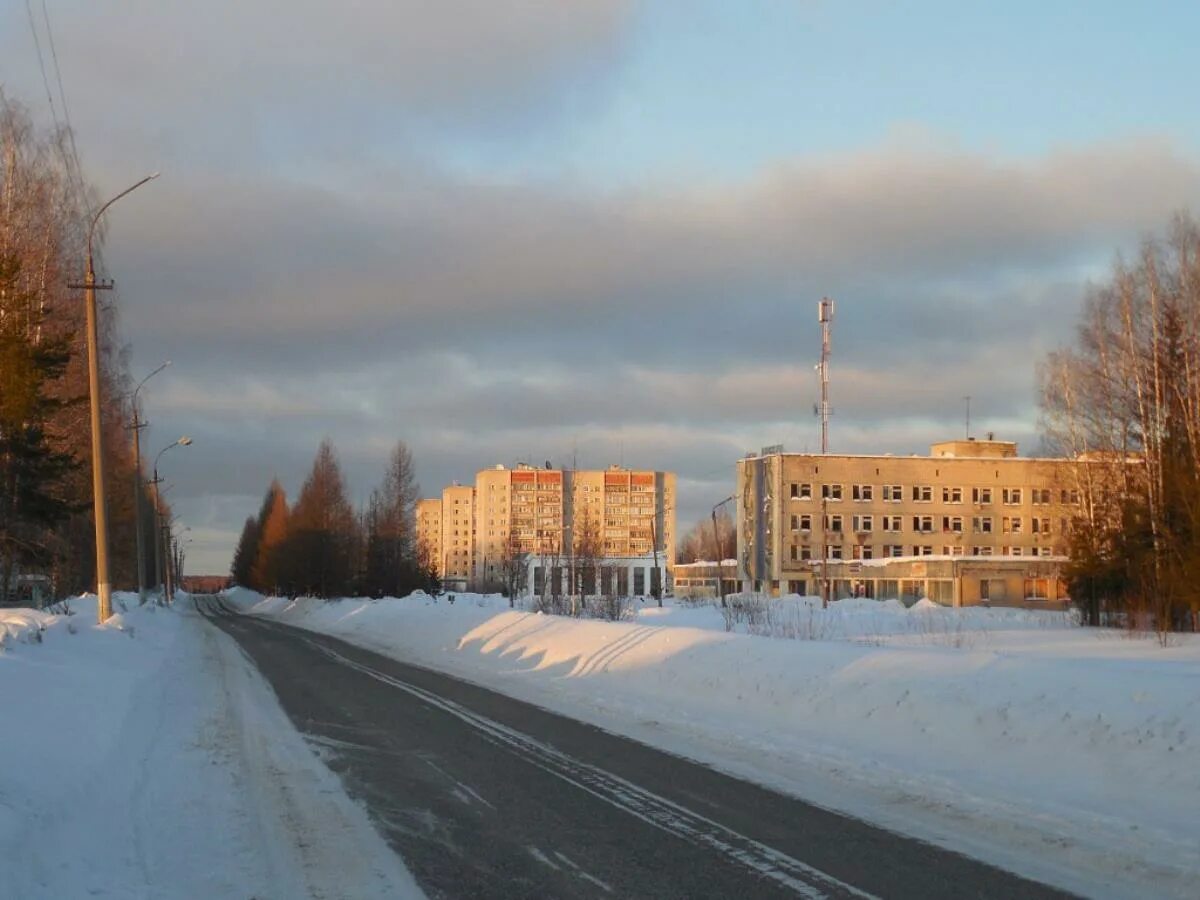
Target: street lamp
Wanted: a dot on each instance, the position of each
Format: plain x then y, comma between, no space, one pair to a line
158,550
136,426
100,512
720,550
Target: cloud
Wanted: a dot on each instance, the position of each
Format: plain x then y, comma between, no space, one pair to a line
670,326
281,81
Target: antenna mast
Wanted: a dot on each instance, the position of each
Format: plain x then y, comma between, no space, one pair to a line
825,317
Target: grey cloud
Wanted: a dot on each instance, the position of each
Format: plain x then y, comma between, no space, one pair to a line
487,323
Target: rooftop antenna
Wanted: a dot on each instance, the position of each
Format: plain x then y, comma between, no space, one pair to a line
967,397
825,317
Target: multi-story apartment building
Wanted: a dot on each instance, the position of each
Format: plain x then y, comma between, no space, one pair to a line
457,551
801,516
612,513
429,533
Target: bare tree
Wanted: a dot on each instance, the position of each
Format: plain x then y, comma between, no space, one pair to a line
1125,401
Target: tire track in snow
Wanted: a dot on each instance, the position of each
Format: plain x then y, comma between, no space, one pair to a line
655,810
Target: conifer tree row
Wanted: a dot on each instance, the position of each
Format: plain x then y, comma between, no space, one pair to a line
322,547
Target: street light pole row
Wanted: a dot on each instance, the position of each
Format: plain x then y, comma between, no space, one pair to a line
100,511
159,523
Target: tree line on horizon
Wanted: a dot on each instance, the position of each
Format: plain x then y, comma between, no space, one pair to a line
1126,398
320,546
46,521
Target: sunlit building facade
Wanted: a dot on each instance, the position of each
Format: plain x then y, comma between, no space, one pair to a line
802,518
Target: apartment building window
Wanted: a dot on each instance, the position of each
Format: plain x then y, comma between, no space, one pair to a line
922,524
953,550
805,552
982,524
834,522
981,495
1011,496
922,493
981,551
952,523
893,550
864,523
795,523
831,492
863,492
801,491
892,493
833,551
1069,497
922,550
1040,496
861,551
1011,524
893,523
952,495
806,522
1040,526
795,552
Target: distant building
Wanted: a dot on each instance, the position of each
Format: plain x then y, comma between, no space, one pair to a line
698,580
804,519
429,533
457,552
537,513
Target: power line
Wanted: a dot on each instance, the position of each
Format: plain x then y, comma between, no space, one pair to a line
70,160
62,95
37,43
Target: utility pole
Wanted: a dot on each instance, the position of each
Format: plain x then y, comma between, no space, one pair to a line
136,427
825,317
720,549
99,504
158,577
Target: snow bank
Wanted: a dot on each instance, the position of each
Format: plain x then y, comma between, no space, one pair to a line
146,758
1000,732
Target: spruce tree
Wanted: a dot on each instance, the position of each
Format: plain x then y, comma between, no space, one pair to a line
321,533
268,572
245,554
33,486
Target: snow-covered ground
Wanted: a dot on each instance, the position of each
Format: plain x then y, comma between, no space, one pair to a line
147,758
1067,754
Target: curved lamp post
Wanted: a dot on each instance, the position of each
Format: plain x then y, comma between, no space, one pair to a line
158,527
136,426
100,512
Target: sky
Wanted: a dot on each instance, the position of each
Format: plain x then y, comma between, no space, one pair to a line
598,230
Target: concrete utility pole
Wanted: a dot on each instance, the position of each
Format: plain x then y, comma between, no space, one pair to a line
136,427
825,317
720,549
158,519
100,509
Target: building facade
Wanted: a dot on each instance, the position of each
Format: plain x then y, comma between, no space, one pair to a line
429,533
969,498
457,551
539,513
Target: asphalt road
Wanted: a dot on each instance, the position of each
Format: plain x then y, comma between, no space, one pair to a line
486,796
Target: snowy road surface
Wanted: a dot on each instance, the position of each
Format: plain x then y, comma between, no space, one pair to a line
484,795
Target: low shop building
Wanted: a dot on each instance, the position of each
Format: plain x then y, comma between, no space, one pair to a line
699,580
1033,583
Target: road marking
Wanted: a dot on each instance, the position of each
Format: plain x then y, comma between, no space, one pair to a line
651,808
